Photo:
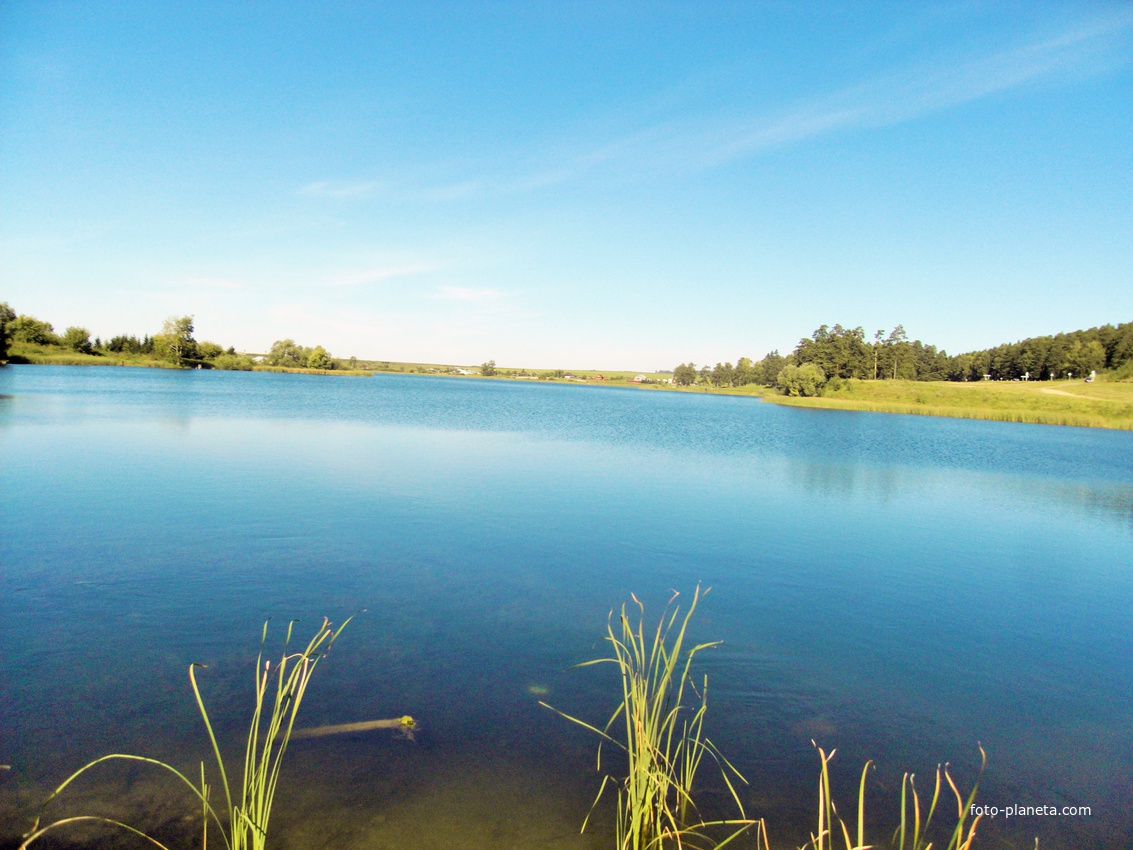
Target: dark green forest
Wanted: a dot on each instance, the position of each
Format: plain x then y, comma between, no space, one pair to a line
840,352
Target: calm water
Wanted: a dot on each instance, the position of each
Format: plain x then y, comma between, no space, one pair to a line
897,587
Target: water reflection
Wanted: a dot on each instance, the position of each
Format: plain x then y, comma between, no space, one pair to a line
1110,501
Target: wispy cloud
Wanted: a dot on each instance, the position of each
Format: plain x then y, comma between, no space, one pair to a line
465,293
706,141
377,275
453,191
907,94
340,189
212,283
688,139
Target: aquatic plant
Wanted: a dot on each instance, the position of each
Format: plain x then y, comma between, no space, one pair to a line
912,833
245,825
662,738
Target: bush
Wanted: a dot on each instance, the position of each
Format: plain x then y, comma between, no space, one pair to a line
805,380
78,339
233,363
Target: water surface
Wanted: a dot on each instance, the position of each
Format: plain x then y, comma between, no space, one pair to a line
897,587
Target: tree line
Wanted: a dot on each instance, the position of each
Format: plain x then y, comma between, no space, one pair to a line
174,345
838,353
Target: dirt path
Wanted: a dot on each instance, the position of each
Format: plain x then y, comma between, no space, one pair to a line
1059,392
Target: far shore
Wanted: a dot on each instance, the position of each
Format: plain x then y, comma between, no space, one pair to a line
1097,404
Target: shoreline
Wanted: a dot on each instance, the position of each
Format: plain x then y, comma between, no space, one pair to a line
1100,404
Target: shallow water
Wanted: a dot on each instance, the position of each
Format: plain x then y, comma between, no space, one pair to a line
897,587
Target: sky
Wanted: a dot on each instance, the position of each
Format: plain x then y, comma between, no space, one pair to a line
567,185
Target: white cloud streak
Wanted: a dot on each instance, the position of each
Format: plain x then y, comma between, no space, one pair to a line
212,283
378,275
903,96
689,143
692,144
468,294
340,190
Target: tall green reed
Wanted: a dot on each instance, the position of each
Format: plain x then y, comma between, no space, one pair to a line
662,738
244,825
912,833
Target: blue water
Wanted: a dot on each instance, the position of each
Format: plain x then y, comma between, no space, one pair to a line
897,587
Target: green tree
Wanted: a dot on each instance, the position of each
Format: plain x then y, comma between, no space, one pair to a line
745,372
319,359
1122,349
30,329
769,368
488,369
897,345
78,339
960,367
175,343
7,316
685,375
284,352
723,375
1082,359
838,351
119,344
209,351
805,380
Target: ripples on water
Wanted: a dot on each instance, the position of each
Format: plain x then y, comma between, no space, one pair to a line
898,587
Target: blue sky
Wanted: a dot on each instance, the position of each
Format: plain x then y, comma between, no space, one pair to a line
586,185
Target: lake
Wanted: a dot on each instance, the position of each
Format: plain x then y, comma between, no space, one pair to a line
901,588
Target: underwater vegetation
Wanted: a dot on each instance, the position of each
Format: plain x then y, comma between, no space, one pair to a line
244,824
650,752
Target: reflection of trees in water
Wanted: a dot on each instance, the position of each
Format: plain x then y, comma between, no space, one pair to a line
1105,501
1108,501
847,479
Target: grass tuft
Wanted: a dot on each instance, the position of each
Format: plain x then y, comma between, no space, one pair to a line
663,739
912,833
245,821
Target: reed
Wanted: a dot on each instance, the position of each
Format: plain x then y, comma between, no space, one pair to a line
244,825
662,738
912,833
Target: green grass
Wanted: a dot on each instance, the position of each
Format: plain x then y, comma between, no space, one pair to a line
244,825
1095,405
56,355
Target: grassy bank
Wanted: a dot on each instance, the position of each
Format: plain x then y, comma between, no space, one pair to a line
54,355
1094,405
363,373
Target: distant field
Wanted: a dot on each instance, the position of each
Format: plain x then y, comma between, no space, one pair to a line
596,376
1095,405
